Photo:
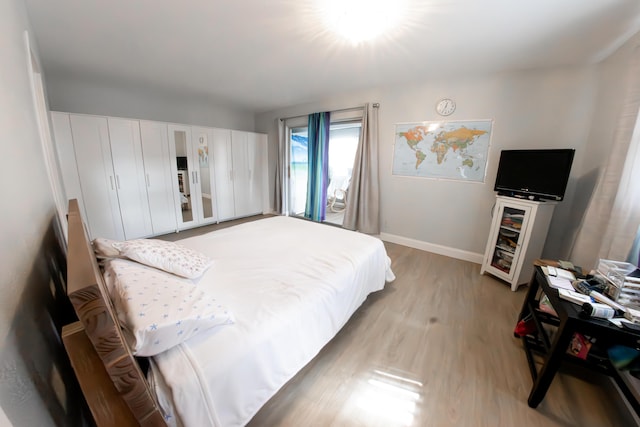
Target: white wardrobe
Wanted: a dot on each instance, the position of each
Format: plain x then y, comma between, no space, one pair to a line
106,173
136,178
238,158
157,166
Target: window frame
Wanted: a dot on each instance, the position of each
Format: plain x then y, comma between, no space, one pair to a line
338,117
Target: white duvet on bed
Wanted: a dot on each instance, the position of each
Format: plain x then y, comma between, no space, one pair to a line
291,284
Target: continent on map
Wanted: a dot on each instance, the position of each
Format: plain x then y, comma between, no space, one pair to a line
414,136
458,139
420,156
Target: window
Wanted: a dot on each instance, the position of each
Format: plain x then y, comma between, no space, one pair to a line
343,143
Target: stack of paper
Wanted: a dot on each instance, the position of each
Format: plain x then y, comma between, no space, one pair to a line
560,283
558,272
559,278
574,297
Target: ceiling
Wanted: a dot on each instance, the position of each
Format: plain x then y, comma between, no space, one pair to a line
261,55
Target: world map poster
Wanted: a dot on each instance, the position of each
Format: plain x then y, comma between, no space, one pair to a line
443,149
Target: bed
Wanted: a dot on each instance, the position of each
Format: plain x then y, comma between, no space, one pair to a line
286,287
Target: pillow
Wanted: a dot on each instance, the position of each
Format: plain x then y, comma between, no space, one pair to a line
168,256
104,248
157,310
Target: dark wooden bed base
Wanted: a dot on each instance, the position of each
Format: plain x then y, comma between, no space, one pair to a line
114,386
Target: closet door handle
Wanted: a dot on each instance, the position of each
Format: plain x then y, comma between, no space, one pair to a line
148,185
193,177
111,179
195,174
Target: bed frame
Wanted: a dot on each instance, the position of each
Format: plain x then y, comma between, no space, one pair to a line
111,378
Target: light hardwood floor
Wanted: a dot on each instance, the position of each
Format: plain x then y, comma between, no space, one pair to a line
435,348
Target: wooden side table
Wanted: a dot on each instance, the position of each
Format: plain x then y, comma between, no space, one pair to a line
567,323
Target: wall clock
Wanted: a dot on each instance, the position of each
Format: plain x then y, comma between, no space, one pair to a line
445,107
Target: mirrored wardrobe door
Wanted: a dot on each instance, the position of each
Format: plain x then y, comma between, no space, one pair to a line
184,180
203,161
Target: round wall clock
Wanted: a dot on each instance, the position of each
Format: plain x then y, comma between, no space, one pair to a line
445,107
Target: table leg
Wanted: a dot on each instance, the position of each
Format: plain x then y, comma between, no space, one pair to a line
552,363
531,295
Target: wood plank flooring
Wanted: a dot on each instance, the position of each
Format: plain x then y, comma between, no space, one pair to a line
435,348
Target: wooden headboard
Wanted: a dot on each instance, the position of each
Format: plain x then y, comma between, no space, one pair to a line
88,294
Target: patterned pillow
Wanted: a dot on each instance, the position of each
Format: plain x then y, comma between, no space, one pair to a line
168,256
104,248
159,311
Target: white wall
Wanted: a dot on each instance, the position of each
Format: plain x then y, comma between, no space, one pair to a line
541,108
30,352
554,108
100,96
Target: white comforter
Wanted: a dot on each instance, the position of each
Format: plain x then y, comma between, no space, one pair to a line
291,285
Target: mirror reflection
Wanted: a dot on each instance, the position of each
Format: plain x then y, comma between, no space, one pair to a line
205,176
183,175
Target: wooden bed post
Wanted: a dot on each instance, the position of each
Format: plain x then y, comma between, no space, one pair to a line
99,326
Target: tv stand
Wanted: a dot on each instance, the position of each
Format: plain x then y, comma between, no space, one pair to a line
518,232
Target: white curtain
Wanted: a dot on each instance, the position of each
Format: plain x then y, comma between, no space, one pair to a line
362,212
612,218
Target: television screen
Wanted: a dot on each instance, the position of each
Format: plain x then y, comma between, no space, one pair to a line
182,163
534,174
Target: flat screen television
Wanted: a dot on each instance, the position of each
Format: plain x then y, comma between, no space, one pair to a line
534,174
182,163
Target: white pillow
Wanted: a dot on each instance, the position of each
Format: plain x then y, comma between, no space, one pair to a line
168,256
104,248
159,311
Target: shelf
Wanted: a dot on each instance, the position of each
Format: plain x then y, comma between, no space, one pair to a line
505,269
514,230
512,219
504,254
511,224
506,248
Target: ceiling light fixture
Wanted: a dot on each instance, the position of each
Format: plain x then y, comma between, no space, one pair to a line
361,20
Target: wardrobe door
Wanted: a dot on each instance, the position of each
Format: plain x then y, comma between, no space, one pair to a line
204,174
183,176
126,152
157,168
240,142
61,126
256,147
97,179
223,173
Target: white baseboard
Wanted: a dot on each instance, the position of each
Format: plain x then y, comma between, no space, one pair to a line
431,247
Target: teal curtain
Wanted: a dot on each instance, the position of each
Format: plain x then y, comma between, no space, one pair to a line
634,255
318,172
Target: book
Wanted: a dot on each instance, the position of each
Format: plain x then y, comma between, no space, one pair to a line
579,346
